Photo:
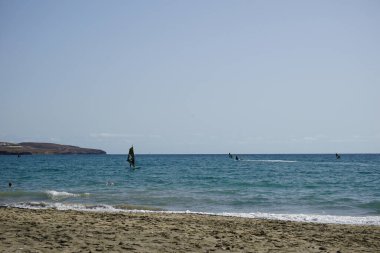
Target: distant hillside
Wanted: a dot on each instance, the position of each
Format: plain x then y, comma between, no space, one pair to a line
37,148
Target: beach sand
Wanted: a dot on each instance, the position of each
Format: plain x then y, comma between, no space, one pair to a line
23,230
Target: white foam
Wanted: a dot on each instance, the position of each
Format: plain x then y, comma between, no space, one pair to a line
90,208
61,195
65,207
31,205
270,161
314,218
311,218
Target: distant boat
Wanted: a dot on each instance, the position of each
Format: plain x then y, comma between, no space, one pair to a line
131,157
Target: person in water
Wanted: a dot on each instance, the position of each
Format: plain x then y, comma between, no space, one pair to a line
236,158
337,156
10,184
229,155
131,162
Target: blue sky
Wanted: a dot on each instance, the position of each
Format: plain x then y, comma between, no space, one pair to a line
192,76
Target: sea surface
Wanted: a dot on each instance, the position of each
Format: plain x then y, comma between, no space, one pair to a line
312,188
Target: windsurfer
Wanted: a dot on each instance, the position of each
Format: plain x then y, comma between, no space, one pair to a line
131,157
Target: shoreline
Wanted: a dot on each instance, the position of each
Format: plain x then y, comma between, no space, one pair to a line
360,220
346,219
48,230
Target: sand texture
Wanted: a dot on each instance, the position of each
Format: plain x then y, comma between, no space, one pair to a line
23,230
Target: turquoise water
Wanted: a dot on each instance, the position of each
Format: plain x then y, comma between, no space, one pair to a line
306,187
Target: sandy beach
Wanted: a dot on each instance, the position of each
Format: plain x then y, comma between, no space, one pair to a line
24,230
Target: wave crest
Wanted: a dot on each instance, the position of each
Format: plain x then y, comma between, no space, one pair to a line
55,195
270,161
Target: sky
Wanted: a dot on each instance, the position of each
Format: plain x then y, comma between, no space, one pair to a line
179,77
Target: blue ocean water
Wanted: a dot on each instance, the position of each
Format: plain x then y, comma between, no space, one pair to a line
297,187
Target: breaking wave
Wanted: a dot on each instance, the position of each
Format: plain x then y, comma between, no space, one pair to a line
56,195
47,195
310,218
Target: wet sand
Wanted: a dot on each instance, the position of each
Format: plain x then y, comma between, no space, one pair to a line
23,230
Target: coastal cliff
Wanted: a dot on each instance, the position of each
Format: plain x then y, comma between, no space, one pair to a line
37,148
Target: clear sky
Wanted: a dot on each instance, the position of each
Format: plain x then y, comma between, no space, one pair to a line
192,76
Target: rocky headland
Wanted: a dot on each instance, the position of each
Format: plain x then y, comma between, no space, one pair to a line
37,148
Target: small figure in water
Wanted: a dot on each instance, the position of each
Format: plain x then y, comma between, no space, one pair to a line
229,155
131,158
10,184
236,158
337,156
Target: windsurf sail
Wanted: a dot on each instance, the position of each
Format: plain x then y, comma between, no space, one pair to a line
131,157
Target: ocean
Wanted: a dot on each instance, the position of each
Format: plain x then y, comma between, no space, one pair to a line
303,187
